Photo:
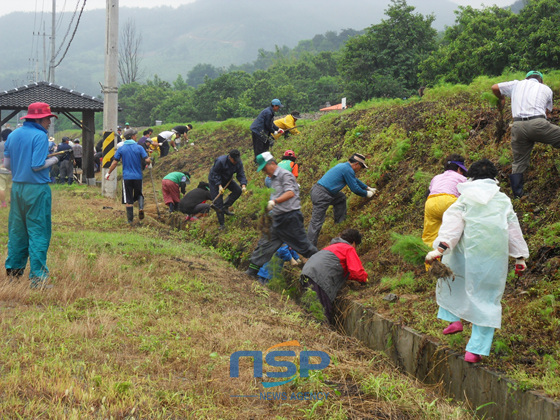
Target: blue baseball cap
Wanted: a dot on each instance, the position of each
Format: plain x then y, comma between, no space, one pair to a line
276,102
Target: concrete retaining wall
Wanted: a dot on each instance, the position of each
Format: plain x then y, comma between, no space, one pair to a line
431,363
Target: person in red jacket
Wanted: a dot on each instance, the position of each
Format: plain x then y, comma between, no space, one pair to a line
326,271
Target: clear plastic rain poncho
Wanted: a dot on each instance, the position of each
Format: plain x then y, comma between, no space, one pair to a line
481,229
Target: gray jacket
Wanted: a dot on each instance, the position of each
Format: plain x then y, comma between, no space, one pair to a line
324,268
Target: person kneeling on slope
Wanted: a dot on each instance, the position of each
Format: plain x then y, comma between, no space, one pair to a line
326,271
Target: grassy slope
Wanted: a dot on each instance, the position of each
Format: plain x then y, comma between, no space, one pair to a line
141,324
405,142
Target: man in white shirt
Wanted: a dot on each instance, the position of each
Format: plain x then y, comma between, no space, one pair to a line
531,101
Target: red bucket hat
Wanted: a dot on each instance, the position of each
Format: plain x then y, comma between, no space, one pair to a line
38,110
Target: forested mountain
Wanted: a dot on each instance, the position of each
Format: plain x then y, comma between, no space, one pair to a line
174,40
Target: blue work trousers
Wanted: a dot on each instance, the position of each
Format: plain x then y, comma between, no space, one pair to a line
29,228
481,337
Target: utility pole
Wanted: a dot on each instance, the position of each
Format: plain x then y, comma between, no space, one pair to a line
51,67
53,24
44,53
110,97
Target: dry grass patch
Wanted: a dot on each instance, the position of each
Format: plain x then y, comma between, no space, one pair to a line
141,324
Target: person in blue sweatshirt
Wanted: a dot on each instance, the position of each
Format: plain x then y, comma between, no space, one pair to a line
133,155
29,222
328,192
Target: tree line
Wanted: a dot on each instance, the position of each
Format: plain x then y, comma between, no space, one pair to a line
391,59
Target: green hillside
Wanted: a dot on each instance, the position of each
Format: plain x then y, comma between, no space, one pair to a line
404,142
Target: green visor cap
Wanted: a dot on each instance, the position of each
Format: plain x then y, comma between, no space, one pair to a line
534,73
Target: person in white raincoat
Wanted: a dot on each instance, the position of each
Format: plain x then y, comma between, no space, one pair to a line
477,234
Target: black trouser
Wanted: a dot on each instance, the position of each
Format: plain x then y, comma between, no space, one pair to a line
321,295
164,148
261,143
66,172
235,193
286,228
78,162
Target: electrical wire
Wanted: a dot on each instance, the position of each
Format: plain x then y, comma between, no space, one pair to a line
61,15
73,34
69,27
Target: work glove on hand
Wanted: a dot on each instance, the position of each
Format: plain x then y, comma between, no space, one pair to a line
150,166
244,189
220,189
270,205
293,261
369,194
299,262
107,176
373,190
176,148
433,255
520,266
280,131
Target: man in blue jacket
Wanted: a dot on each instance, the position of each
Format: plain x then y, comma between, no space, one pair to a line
132,155
221,178
328,191
263,127
29,223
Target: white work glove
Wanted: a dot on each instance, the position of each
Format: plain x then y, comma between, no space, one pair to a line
373,190
433,255
150,166
176,148
299,261
244,189
369,194
293,261
270,205
220,189
107,176
279,131
192,144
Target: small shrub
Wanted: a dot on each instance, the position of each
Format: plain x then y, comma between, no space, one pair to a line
410,248
311,302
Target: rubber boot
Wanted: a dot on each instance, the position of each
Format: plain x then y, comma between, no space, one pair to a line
171,207
130,214
141,207
176,207
221,220
516,181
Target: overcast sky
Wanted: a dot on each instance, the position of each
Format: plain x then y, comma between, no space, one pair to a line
69,5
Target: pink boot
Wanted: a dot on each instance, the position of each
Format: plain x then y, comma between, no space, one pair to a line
453,328
472,358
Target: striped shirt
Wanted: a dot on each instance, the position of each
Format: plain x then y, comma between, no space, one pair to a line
529,98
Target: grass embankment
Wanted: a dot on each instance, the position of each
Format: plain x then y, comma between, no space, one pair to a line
405,142
141,323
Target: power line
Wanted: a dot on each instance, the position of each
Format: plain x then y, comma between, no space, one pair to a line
69,27
73,34
61,15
